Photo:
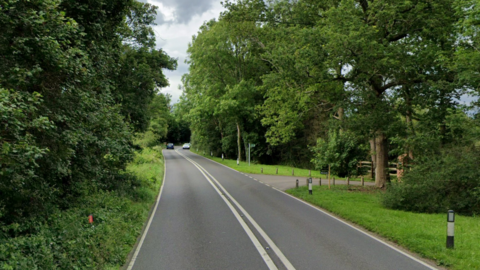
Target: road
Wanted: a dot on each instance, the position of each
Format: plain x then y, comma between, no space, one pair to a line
212,217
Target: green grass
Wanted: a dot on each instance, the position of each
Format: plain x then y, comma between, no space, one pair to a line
272,169
424,234
67,241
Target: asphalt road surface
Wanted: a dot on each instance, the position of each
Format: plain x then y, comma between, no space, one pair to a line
212,217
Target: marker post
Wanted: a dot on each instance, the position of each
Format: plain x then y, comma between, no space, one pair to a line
310,186
450,229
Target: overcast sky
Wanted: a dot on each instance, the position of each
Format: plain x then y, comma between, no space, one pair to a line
177,21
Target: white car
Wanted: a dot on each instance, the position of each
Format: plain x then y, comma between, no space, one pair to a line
186,146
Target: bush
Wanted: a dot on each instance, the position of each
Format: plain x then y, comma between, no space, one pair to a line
342,151
63,239
439,183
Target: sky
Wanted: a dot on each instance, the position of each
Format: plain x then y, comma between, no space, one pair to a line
177,21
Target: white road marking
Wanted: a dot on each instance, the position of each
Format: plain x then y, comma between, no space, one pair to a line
270,242
351,226
367,234
135,255
271,265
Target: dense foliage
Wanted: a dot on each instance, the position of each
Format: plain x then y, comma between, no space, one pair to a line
77,80
295,75
76,77
342,152
65,239
442,182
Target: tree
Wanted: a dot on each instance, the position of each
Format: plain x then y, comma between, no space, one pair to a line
224,66
60,64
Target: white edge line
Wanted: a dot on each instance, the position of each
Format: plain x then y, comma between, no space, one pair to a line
134,257
270,242
353,227
334,217
271,265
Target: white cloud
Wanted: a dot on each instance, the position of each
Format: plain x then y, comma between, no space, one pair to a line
173,37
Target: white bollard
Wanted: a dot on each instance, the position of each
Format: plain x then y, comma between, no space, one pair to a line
450,229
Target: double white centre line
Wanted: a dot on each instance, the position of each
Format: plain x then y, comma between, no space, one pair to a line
266,258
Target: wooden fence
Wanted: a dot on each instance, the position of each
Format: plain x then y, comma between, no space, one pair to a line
392,167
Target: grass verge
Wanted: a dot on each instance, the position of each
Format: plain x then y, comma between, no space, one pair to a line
66,240
272,169
424,234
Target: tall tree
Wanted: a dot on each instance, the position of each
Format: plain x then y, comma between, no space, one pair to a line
224,65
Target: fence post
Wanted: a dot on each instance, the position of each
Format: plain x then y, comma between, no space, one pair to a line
296,183
362,181
348,181
292,172
334,181
320,182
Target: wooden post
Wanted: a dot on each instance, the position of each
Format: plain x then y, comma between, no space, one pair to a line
372,171
320,182
363,182
292,172
296,183
348,181
334,181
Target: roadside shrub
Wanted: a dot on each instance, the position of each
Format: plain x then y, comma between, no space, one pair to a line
67,241
342,151
63,239
450,180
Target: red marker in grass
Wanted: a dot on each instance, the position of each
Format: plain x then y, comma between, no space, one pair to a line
90,219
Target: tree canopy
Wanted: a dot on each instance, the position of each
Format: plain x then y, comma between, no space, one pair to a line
350,75
76,81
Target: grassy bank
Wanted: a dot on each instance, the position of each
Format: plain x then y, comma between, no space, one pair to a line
66,240
424,234
272,169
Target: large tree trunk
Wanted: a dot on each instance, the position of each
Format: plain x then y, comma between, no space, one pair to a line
374,157
239,143
381,171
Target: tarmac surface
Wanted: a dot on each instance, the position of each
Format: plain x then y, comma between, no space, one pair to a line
212,217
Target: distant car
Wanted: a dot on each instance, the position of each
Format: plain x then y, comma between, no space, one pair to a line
170,146
186,146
